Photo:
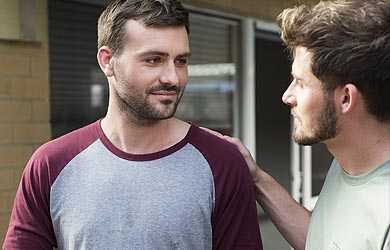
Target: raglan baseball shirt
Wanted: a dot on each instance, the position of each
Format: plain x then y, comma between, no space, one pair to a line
81,192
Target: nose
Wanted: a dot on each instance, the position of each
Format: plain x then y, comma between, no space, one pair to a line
170,75
288,96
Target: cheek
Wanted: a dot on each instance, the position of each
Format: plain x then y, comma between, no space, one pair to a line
307,110
183,75
144,76
310,102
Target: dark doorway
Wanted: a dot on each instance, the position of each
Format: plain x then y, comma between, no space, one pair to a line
272,121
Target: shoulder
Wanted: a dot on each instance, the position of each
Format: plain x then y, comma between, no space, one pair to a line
52,156
219,153
72,142
205,141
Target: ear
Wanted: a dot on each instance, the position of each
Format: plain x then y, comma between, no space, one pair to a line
105,60
348,96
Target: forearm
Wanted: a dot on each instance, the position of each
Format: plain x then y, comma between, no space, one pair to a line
290,218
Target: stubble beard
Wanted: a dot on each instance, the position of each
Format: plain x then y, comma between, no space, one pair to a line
324,124
138,109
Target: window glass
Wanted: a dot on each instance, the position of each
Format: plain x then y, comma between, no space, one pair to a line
209,97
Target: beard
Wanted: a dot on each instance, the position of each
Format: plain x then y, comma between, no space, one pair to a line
136,105
324,125
139,109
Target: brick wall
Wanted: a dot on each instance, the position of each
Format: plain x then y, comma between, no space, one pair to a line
24,100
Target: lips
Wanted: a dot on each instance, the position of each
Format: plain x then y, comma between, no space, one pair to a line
165,97
294,114
164,90
164,93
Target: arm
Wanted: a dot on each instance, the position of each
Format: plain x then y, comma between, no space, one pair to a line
290,218
30,224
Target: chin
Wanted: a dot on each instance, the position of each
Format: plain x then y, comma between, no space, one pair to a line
305,140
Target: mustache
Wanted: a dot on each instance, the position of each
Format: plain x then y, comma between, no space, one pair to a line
164,88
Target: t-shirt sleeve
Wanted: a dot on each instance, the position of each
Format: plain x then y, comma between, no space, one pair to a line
235,219
30,224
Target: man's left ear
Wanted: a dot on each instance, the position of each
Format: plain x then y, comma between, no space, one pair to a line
348,97
105,60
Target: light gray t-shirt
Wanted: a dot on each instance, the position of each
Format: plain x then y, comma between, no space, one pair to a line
352,212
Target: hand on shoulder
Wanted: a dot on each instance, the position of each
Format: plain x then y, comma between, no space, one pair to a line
253,167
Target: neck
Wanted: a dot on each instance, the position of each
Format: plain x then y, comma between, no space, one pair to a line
362,147
143,139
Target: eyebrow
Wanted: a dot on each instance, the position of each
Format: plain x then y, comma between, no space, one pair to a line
295,77
292,75
164,54
187,54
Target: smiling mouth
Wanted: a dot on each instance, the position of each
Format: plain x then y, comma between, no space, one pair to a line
164,89
164,96
164,93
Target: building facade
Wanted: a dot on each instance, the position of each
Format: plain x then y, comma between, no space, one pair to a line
50,84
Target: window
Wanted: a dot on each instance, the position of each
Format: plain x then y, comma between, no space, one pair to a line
79,90
209,97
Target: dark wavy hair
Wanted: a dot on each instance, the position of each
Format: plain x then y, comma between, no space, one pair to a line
350,42
157,13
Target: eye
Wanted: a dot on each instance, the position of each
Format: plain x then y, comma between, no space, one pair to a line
299,83
154,60
181,61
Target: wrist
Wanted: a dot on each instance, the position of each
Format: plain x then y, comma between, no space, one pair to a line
256,178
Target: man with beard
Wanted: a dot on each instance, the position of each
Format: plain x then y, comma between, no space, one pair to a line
137,178
339,96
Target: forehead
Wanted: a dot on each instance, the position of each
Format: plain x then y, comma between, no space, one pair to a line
302,71
302,62
168,39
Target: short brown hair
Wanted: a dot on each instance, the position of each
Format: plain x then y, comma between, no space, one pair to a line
350,42
158,13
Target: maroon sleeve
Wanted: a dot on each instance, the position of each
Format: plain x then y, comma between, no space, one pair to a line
30,224
234,220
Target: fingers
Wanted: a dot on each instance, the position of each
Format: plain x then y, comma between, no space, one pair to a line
212,132
234,140
241,147
225,137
